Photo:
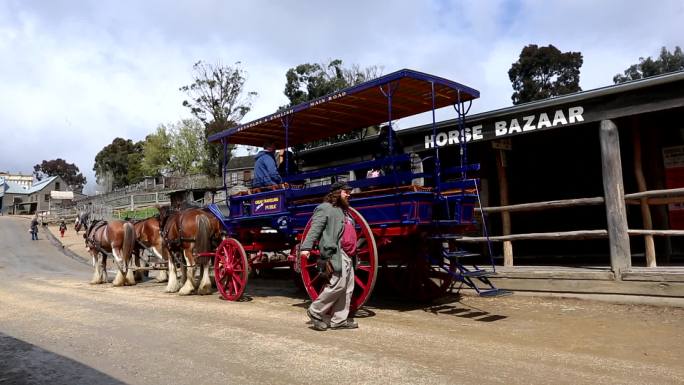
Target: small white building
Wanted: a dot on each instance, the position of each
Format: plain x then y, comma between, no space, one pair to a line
18,179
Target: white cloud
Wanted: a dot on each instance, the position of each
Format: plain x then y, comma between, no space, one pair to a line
75,75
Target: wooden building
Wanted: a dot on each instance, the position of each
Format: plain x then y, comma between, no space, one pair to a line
18,199
583,192
239,170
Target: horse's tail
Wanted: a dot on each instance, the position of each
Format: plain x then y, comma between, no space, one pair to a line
128,241
203,238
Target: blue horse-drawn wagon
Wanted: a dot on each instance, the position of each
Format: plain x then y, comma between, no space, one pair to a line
408,218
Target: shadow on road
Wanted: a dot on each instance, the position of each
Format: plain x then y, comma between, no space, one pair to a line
448,305
280,282
22,363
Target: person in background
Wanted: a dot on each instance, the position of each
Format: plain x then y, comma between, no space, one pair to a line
286,159
265,171
62,228
333,228
383,151
382,145
34,228
374,172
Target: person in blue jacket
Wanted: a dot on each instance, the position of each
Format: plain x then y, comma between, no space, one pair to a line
265,170
34,228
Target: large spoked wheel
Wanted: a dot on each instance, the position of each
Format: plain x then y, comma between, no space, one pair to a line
230,269
365,265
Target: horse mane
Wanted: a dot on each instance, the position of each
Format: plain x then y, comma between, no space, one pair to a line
95,224
164,213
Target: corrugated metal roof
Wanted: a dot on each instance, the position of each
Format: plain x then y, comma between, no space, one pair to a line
41,184
240,162
15,188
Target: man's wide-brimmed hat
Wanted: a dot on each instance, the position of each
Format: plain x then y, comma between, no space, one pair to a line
340,186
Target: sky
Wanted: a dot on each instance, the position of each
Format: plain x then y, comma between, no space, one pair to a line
74,75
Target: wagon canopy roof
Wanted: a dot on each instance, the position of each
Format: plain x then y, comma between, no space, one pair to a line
352,108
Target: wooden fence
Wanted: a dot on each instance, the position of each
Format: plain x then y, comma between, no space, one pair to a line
654,197
614,200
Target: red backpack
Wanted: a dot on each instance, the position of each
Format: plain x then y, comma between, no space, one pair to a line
348,241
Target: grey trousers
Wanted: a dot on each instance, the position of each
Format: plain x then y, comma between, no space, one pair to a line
336,295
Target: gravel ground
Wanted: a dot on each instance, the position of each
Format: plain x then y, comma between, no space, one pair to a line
56,328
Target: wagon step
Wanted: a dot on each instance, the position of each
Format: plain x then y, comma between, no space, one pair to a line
460,254
478,273
495,293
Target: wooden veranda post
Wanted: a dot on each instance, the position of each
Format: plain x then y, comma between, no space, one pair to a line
614,193
505,215
645,208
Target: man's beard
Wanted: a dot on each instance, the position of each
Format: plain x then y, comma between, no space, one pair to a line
342,203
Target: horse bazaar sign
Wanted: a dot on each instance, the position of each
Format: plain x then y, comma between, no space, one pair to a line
505,128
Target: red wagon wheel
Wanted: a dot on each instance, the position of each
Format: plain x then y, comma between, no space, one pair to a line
365,264
230,269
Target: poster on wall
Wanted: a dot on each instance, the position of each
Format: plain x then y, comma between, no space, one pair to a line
673,158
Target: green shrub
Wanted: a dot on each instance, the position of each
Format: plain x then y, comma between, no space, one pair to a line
138,214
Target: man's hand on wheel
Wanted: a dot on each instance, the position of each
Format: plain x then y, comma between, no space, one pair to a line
322,266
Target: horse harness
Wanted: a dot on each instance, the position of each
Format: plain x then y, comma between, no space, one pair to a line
93,244
92,228
140,245
175,243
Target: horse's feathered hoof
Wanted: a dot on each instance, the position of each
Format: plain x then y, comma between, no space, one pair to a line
172,288
186,290
119,280
130,278
206,290
163,276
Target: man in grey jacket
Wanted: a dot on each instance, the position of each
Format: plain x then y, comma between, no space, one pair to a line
332,226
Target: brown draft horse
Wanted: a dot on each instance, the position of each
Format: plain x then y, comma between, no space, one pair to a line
116,237
187,233
148,237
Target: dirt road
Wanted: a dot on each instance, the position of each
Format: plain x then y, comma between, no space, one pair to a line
56,328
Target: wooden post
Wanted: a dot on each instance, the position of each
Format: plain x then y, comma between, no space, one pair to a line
645,209
505,215
614,193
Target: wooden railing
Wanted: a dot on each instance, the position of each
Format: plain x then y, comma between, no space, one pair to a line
653,197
